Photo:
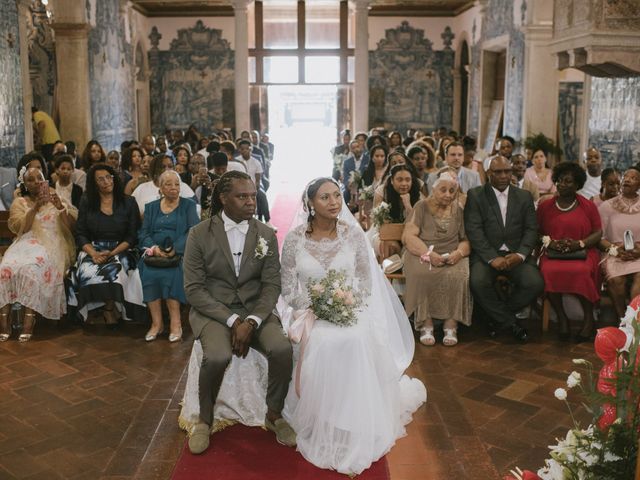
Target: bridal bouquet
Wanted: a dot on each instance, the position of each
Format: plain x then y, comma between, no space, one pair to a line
366,193
608,448
333,299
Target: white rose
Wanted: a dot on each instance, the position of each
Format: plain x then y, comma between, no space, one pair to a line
574,379
560,394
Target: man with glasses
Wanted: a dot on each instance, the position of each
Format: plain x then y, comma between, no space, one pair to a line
500,223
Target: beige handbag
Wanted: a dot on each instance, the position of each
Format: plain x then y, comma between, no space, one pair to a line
392,264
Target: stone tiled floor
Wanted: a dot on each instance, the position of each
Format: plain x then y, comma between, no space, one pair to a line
94,404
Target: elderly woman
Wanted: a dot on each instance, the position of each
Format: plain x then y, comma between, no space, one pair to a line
150,191
622,264
435,262
609,186
32,269
106,231
570,262
163,235
540,175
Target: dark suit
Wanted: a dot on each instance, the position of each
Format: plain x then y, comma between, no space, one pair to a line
215,293
487,233
349,166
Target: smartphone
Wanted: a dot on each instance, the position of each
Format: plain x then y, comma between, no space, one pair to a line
44,190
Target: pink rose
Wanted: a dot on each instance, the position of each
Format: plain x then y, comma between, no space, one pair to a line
348,299
339,293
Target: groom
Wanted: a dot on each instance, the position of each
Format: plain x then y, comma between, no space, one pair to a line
232,282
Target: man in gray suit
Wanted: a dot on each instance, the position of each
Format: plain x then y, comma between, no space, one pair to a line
454,156
232,282
500,223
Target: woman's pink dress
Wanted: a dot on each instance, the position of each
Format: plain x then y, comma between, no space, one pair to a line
617,217
581,277
544,187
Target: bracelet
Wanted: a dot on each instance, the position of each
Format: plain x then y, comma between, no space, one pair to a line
612,250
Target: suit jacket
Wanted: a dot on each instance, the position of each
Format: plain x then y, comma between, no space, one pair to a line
485,230
349,166
210,283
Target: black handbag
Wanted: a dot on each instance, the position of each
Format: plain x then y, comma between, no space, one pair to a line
576,255
163,262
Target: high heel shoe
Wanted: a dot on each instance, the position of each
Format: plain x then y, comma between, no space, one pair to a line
6,324
426,336
175,337
450,337
25,337
150,337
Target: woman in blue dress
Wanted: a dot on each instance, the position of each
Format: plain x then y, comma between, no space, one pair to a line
164,231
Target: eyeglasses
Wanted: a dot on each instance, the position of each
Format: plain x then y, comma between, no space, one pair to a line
104,180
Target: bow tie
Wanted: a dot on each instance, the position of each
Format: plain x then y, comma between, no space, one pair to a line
242,226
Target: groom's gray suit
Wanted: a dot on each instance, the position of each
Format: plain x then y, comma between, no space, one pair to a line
215,293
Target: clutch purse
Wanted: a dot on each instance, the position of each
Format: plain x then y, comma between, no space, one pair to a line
577,255
163,262
629,244
392,264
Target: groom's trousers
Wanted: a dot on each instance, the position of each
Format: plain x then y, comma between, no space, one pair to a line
269,340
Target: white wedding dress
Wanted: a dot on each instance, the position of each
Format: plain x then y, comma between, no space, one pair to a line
354,398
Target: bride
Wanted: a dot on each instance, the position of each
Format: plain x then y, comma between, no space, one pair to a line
349,399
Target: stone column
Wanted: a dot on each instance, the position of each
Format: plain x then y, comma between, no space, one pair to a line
25,77
72,66
540,105
241,67
361,84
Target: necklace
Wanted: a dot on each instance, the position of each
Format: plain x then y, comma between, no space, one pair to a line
573,204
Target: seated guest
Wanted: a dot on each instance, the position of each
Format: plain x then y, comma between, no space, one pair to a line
593,164
183,155
420,160
255,171
500,223
165,227
609,186
401,191
435,263
106,232
113,160
140,177
131,164
356,161
229,149
573,225
540,175
150,191
200,180
518,168
395,140
93,153
27,161
65,189
376,168
622,266
33,267
218,164
79,177
454,157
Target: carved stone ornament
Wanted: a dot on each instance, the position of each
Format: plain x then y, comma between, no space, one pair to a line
199,47
405,47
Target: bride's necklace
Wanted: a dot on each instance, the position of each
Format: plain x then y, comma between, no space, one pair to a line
566,209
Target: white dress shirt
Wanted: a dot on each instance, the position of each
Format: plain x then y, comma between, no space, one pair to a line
591,187
236,235
503,201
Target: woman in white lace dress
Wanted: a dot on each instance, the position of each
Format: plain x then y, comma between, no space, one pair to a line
349,399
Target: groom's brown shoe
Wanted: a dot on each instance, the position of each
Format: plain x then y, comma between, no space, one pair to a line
284,433
199,439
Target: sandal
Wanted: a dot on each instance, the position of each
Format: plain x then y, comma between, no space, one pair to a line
450,337
6,327
426,336
25,337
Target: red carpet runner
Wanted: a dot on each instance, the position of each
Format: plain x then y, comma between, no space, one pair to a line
282,212
244,453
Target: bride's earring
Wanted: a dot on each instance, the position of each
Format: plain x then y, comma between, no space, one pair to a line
312,212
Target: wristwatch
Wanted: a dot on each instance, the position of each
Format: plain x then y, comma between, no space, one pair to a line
252,322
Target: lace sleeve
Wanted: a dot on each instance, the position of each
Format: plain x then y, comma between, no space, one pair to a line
292,294
363,268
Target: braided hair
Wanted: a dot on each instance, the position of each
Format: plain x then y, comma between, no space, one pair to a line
224,186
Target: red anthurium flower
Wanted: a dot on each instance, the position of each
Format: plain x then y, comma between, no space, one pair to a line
608,341
529,475
609,415
607,379
635,303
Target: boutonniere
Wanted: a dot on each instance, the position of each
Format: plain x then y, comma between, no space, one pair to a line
262,249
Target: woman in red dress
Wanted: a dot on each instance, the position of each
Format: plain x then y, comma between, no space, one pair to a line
572,225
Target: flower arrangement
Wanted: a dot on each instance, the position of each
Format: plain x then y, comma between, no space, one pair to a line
262,249
333,299
381,214
608,448
366,193
354,179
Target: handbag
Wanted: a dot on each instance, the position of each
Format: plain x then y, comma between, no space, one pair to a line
163,262
629,244
576,255
392,264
